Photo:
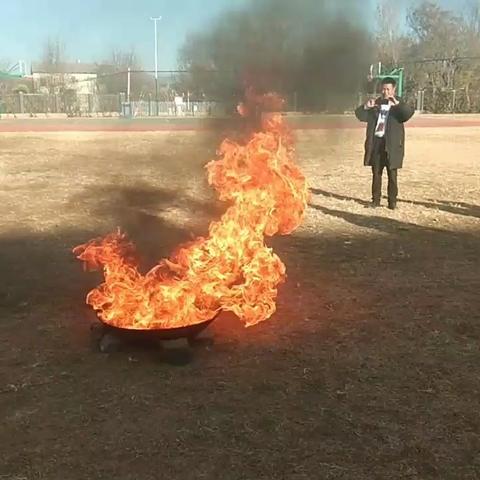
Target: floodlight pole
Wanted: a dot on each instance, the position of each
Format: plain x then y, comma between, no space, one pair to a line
155,20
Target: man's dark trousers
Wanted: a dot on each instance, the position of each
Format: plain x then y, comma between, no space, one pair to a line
380,162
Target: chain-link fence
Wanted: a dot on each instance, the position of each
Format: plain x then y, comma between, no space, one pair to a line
77,105
150,107
69,104
429,100
436,100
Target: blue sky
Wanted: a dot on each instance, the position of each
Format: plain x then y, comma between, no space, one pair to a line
91,28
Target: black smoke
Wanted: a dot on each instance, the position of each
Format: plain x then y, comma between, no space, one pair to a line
315,52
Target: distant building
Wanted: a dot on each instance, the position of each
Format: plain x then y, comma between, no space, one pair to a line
77,77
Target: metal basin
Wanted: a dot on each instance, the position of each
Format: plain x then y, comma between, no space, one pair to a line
189,331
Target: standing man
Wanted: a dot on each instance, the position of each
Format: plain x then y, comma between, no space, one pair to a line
385,142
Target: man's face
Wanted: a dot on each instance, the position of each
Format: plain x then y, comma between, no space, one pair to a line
388,90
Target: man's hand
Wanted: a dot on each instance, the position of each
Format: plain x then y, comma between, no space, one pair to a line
370,104
393,101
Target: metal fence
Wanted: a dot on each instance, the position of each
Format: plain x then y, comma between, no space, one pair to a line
69,104
78,105
428,100
148,108
436,100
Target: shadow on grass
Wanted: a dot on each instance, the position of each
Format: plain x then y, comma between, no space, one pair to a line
450,206
372,355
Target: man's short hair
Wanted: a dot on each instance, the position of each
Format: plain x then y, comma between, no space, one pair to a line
389,80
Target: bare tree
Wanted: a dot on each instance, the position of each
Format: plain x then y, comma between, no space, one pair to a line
53,56
472,16
113,74
389,40
437,34
121,60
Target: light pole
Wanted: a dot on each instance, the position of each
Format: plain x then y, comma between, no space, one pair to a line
155,20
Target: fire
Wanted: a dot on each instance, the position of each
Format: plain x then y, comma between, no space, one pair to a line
231,269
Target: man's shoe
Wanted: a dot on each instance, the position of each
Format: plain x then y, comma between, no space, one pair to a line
375,204
392,206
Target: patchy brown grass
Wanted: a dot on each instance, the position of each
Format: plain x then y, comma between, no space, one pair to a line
369,370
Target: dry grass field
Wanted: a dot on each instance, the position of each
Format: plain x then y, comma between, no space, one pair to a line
370,369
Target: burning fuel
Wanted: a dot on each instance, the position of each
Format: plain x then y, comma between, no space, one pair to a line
231,269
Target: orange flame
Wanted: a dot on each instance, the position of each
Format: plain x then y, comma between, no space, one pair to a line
230,270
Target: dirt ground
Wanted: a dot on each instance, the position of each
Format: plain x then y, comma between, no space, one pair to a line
369,370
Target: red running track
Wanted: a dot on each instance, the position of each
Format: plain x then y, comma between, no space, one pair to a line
185,124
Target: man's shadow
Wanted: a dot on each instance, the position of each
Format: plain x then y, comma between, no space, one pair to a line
318,191
382,224
456,208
